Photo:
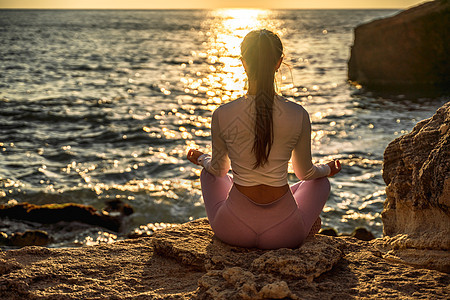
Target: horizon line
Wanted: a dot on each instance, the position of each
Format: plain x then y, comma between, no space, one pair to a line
231,8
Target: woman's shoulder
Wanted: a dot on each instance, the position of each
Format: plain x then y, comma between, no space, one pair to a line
242,104
230,106
291,106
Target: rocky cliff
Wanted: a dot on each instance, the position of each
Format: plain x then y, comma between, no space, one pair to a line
406,52
416,213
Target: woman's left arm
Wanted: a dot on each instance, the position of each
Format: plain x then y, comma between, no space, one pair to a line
219,163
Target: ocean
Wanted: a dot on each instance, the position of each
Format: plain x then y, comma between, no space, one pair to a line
97,105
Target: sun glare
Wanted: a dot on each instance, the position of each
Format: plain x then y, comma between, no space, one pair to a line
224,79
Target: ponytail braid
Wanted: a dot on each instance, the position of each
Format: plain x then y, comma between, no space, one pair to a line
262,50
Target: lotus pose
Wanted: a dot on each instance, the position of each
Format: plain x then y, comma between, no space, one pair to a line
256,135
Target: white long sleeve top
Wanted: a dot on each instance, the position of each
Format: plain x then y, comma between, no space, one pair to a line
232,130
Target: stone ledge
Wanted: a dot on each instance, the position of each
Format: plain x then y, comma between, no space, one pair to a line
188,262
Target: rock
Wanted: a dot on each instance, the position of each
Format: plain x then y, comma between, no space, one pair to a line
29,238
322,267
188,262
3,238
404,53
328,232
317,256
362,234
416,212
117,206
53,213
121,270
185,244
276,290
188,243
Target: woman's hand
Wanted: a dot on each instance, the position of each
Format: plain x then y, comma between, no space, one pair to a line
193,155
335,167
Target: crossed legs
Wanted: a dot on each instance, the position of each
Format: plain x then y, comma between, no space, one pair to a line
310,197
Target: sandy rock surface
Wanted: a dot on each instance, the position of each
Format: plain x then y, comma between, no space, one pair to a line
127,269
188,262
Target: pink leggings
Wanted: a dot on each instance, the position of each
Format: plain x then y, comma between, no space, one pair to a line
284,223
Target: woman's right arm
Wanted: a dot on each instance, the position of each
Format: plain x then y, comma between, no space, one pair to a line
304,169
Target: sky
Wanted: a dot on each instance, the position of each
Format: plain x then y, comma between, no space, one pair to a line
179,4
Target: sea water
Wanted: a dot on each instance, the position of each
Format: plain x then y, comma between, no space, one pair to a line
97,105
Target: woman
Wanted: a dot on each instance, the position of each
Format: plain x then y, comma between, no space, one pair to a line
258,134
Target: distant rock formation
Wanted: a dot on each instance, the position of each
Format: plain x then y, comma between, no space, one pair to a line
416,215
408,52
188,262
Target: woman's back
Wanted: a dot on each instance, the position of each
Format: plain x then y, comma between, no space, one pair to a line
234,123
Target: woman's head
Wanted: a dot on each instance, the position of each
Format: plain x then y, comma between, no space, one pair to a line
262,53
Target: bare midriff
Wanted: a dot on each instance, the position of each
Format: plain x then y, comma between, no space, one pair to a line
261,193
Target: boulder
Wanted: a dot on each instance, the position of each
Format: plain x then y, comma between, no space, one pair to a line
405,53
328,231
53,213
362,234
416,214
4,240
29,238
